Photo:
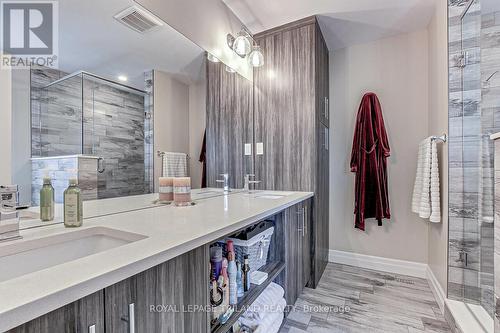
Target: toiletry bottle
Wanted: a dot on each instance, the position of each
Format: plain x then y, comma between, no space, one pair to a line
239,280
47,200
233,287
246,274
73,205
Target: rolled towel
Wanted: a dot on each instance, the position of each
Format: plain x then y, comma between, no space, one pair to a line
265,317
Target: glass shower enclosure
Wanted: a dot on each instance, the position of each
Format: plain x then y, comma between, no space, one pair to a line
471,158
91,128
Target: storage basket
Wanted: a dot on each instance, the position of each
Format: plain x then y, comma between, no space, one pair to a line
256,247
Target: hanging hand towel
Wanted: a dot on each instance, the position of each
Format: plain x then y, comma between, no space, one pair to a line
426,196
175,165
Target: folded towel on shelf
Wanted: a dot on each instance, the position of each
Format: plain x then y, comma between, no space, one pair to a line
268,301
271,323
426,192
266,318
175,164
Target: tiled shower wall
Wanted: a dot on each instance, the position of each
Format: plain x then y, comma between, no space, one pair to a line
471,122
113,128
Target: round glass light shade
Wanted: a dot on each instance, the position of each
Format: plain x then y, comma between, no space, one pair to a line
242,44
256,58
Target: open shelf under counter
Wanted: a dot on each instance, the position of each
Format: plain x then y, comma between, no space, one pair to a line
273,269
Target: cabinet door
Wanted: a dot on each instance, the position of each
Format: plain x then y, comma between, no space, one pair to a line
80,316
161,299
297,271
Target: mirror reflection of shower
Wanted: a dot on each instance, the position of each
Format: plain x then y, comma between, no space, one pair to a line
91,128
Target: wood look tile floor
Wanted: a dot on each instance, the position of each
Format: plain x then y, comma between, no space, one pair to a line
351,300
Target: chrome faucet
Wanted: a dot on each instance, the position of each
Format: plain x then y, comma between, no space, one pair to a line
248,182
224,181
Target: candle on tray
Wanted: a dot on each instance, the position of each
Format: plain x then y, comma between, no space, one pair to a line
182,191
166,189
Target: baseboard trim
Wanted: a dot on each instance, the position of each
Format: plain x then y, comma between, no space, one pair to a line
395,266
436,288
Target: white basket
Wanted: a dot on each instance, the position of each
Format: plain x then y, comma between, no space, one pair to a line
257,249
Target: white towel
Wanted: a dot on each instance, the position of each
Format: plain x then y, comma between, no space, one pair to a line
175,165
265,303
267,317
426,195
271,323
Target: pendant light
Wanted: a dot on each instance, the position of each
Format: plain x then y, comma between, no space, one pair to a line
256,58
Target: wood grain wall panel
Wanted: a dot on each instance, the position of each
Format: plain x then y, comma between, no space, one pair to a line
229,125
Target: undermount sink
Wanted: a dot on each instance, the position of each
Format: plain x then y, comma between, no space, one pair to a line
24,257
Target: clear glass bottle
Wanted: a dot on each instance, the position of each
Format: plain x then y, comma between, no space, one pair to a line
47,200
73,205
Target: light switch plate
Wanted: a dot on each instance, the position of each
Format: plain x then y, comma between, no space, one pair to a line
260,148
248,149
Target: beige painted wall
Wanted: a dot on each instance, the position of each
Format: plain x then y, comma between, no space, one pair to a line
396,69
171,117
5,126
438,123
206,23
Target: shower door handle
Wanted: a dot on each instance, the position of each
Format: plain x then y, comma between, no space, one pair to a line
101,165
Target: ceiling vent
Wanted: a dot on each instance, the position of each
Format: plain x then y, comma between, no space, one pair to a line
139,19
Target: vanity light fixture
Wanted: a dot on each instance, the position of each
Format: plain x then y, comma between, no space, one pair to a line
241,44
244,45
122,78
256,58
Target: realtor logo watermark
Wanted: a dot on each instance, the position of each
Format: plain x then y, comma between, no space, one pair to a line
29,33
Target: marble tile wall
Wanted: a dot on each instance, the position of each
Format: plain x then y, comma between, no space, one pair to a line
61,169
471,154
84,115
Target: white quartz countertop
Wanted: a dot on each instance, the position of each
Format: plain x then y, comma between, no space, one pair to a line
170,231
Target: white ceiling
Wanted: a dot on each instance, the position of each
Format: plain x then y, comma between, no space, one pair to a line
91,39
343,22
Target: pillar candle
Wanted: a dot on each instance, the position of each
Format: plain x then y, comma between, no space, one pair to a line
182,191
166,189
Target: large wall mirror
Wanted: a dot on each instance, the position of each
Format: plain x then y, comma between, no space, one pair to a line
127,104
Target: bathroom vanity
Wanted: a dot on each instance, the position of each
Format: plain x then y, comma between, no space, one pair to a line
146,270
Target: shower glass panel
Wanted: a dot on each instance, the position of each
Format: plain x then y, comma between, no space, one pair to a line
91,128
470,276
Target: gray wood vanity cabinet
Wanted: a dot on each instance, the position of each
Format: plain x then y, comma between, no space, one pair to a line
292,121
298,249
169,297
161,299
79,316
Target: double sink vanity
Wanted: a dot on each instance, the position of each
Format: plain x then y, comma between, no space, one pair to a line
146,269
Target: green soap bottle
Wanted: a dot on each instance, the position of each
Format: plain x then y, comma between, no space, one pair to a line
73,205
47,200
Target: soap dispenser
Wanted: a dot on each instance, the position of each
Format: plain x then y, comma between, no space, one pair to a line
73,205
47,200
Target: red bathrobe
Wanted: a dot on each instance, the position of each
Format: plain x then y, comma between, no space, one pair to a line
370,150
